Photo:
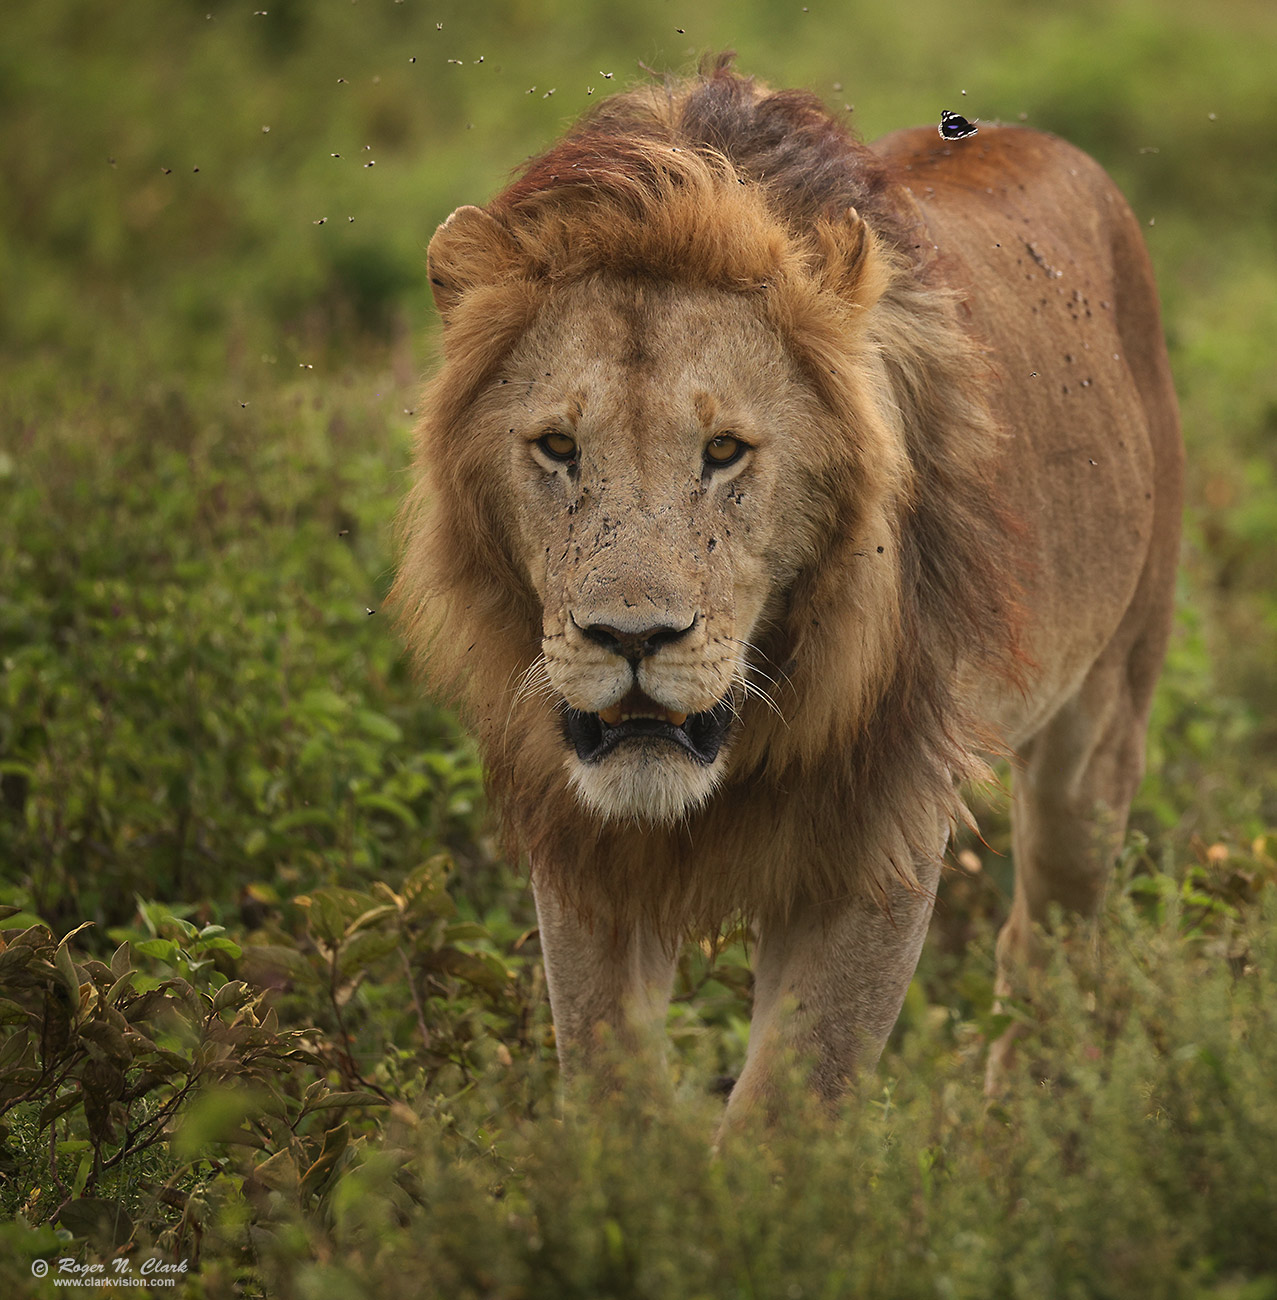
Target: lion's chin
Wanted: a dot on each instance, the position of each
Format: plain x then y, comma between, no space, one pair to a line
644,781
639,761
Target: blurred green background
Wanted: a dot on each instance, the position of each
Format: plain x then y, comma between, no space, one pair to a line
214,324
214,321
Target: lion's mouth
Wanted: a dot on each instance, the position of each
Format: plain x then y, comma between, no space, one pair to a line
594,735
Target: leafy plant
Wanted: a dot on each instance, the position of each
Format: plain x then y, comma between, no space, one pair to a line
107,1069
413,998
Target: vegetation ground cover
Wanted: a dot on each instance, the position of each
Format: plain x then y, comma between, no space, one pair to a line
304,1043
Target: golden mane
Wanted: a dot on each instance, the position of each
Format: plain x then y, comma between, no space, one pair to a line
719,182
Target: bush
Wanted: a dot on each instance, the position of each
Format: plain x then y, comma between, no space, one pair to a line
1154,1059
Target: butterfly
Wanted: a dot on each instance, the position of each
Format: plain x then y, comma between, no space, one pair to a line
953,126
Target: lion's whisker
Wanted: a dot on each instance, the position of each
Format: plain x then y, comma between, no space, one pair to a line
752,691
750,688
782,675
534,682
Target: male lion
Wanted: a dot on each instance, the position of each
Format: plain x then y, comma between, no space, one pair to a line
770,480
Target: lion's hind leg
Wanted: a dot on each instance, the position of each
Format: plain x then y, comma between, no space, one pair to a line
1071,796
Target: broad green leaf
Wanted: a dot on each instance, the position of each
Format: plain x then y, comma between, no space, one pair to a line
392,807
99,1220
303,819
160,949
336,1141
378,726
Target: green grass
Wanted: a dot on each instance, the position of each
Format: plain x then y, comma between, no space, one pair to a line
211,749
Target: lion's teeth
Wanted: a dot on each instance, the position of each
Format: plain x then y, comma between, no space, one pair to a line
616,715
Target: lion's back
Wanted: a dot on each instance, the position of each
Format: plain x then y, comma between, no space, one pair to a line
1056,282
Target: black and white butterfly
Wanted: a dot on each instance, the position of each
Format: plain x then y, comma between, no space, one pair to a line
953,126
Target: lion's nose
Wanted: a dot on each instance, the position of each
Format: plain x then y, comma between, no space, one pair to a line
636,645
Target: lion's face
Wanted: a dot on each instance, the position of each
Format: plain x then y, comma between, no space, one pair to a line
663,501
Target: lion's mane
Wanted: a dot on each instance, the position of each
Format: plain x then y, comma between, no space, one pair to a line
717,181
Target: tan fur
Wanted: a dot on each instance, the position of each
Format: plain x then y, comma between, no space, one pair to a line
959,513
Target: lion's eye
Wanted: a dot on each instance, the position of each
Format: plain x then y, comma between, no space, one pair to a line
558,446
724,450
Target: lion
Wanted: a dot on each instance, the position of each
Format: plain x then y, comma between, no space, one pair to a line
770,483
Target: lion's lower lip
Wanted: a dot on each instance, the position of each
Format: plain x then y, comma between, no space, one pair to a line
701,735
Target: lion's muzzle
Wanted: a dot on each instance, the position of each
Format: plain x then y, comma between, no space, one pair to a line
649,710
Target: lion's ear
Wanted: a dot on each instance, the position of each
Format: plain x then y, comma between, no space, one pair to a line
470,248
854,267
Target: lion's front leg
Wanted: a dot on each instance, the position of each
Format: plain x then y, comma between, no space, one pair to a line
609,987
828,986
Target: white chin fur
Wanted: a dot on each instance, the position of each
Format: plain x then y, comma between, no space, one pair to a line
633,785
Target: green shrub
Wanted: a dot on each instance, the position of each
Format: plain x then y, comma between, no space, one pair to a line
1139,1162
99,1064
